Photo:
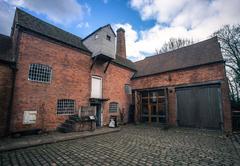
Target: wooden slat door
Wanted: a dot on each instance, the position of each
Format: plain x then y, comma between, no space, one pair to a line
199,107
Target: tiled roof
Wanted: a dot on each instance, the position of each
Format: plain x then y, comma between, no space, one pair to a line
201,53
5,49
124,62
34,24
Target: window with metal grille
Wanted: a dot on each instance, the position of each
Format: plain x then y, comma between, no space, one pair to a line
40,73
65,106
113,107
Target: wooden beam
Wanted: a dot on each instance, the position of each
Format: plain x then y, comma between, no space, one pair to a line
136,107
94,61
149,110
107,66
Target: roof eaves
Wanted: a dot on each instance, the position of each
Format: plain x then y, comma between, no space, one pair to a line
181,48
17,22
57,40
172,70
124,66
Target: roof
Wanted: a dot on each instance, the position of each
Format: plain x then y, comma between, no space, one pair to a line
201,53
108,25
34,24
124,62
5,49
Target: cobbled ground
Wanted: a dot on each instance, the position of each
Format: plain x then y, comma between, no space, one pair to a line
133,145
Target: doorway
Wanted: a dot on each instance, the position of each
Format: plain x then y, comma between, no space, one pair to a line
98,114
153,106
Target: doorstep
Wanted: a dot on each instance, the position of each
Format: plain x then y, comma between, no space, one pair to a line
7,144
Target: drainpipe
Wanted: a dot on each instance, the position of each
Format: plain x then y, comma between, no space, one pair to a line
14,71
10,105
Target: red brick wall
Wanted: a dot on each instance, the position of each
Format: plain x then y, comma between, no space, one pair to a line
5,93
214,72
70,80
114,81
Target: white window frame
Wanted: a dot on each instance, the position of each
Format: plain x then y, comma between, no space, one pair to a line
47,82
100,78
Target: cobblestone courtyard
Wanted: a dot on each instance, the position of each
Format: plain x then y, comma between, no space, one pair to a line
133,145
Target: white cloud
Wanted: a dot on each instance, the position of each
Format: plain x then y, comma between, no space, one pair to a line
185,19
59,11
83,25
131,36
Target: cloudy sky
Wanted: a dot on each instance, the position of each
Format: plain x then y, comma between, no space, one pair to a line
148,23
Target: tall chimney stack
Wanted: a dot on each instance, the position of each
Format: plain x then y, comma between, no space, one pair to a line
121,46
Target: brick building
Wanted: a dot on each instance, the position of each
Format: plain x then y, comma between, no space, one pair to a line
48,74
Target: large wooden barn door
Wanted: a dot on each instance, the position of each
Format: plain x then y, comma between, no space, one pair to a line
199,107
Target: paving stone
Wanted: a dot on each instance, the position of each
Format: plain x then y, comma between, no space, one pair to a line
134,145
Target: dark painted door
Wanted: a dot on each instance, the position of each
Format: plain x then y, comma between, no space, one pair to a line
199,107
98,114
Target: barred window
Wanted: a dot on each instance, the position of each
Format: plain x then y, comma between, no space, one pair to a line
40,73
113,107
65,106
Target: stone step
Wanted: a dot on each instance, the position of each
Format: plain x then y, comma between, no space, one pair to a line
67,125
64,129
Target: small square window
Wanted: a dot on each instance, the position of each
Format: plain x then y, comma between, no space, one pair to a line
113,107
128,89
65,106
96,36
108,38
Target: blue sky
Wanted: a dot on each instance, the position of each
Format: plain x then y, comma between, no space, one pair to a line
148,23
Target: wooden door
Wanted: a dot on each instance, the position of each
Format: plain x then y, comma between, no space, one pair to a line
153,106
199,107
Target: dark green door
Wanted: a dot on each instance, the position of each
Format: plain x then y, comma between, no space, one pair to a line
199,107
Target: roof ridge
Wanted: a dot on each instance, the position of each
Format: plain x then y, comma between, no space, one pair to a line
204,52
98,29
20,10
212,38
6,36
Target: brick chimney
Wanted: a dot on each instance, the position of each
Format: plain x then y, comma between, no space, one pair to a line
121,46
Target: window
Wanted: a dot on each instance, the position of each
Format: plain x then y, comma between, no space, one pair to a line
40,73
113,107
128,89
65,106
96,36
108,37
96,91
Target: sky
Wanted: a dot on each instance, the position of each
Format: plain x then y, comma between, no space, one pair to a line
148,23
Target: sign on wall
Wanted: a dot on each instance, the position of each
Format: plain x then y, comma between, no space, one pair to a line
29,117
